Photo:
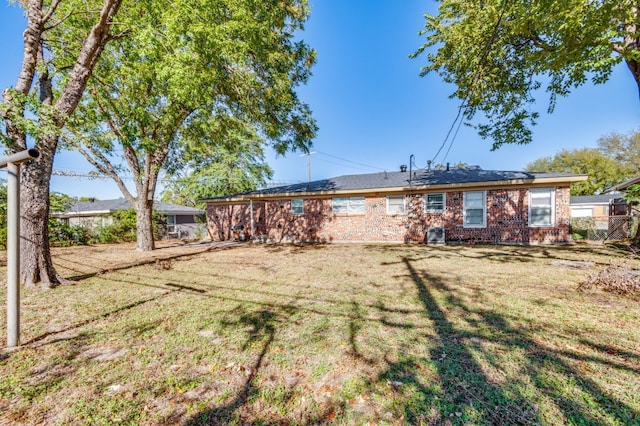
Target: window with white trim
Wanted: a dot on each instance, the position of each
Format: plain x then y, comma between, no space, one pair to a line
348,205
475,209
395,204
541,206
297,206
434,203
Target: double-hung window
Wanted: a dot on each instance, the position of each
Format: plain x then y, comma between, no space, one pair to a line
348,205
297,206
395,204
475,209
434,203
541,206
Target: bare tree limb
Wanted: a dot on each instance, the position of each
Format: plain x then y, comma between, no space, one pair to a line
104,165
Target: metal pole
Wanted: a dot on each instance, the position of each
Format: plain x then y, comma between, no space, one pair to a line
19,157
13,255
12,162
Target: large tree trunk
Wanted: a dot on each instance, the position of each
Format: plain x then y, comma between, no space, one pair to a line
36,265
634,67
144,225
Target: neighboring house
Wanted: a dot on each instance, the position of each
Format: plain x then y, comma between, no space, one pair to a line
600,217
178,221
423,206
595,205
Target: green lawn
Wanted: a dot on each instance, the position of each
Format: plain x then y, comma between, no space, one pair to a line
338,334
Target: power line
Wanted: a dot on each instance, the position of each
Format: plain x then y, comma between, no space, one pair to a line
350,161
102,176
462,106
444,142
343,165
71,173
452,139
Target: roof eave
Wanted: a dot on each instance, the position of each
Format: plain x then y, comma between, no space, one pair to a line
86,213
627,184
181,213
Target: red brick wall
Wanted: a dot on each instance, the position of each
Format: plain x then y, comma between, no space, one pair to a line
507,220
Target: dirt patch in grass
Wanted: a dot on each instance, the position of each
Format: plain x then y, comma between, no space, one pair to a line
337,334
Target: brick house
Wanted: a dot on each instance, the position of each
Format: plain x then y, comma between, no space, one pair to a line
433,206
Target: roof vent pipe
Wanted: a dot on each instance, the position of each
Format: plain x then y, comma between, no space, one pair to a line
447,166
403,168
411,157
429,165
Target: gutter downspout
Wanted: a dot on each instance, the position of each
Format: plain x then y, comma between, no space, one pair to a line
251,214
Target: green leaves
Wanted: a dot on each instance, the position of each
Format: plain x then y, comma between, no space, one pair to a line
603,170
197,88
207,59
499,54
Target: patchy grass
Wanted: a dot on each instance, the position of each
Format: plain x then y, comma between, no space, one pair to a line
338,334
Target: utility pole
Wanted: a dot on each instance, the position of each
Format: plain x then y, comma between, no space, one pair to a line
308,155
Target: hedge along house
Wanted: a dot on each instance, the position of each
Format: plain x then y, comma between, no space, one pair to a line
424,206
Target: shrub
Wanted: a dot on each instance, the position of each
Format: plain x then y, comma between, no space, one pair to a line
123,228
614,279
61,234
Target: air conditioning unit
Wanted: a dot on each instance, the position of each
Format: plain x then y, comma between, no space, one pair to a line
435,235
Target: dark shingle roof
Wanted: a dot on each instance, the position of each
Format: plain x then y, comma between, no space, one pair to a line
421,178
627,184
594,199
108,206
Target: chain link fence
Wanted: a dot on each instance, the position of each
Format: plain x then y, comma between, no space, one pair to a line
603,228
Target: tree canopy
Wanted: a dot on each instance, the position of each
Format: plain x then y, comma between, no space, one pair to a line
616,159
603,171
624,149
502,54
235,166
190,77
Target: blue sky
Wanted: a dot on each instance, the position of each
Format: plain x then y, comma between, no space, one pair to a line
372,107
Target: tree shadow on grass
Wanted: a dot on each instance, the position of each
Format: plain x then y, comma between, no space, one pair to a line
501,253
38,380
468,395
464,392
94,319
263,325
150,261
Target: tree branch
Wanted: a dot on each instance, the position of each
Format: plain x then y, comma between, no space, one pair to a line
102,163
132,160
93,46
51,11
